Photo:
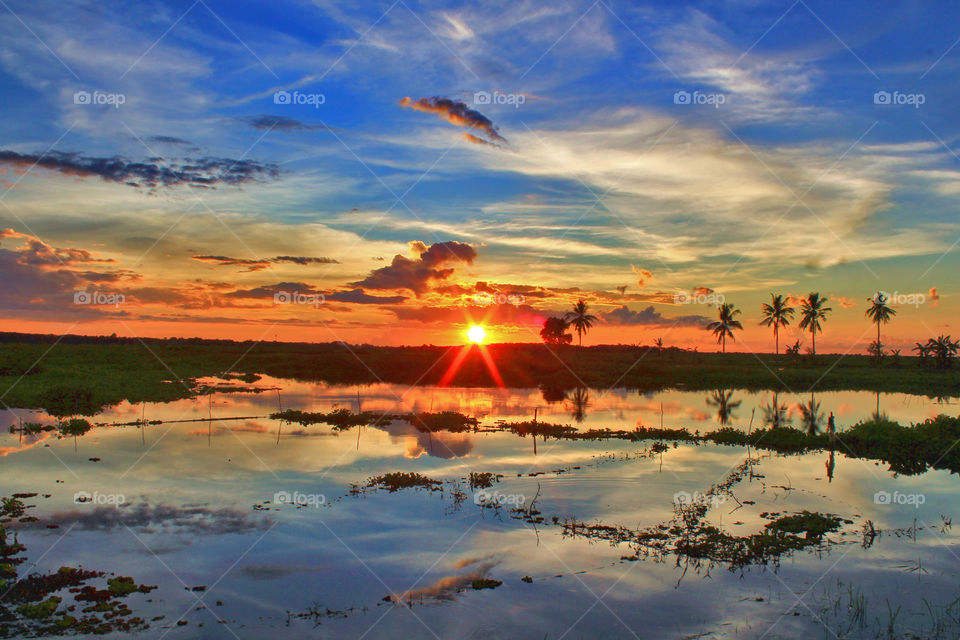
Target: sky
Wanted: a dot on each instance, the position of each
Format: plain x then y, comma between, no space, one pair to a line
393,172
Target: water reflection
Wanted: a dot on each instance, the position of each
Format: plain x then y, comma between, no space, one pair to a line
724,404
578,402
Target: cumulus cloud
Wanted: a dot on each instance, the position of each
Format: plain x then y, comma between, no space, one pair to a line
418,274
152,173
934,296
456,112
624,316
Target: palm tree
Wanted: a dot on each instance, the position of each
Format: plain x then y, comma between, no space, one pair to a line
580,319
811,416
579,401
775,414
722,400
776,314
923,351
813,311
725,325
880,313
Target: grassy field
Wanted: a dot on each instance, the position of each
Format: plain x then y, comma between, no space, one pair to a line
77,375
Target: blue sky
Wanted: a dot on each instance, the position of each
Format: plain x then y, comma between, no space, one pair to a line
780,173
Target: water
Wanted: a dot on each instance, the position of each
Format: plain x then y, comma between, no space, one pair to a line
198,510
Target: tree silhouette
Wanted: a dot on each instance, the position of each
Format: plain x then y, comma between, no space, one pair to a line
725,325
879,313
580,319
812,312
555,331
722,401
579,401
776,314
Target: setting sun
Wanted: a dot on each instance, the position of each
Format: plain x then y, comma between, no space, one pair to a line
476,334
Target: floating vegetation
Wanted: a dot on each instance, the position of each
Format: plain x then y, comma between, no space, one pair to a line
346,419
29,608
398,481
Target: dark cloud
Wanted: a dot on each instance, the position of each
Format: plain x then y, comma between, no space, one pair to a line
148,518
456,112
418,274
152,172
279,123
650,316
260,264
169,140
355,296
358,296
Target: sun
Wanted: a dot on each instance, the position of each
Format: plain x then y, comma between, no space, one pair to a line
476,334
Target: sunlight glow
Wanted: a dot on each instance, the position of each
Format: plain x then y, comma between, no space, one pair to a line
476,334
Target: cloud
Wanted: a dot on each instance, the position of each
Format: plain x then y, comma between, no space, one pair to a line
456,112
152,172
260,264
354,296
160,518
643,276
265,122
844,301
624,316
934,296
357,296
169,140
418,274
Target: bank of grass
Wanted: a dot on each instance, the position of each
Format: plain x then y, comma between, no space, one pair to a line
35,370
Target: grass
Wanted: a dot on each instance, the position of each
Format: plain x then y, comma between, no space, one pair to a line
76,375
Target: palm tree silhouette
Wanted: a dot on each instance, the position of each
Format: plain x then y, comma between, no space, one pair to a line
579,401
811,416
725,325
580,319
722,401
812,311
775,414
879,313
776,314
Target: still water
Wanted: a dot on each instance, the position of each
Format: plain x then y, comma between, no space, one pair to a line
192,508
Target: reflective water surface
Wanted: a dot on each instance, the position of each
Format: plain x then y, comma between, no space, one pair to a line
568,538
